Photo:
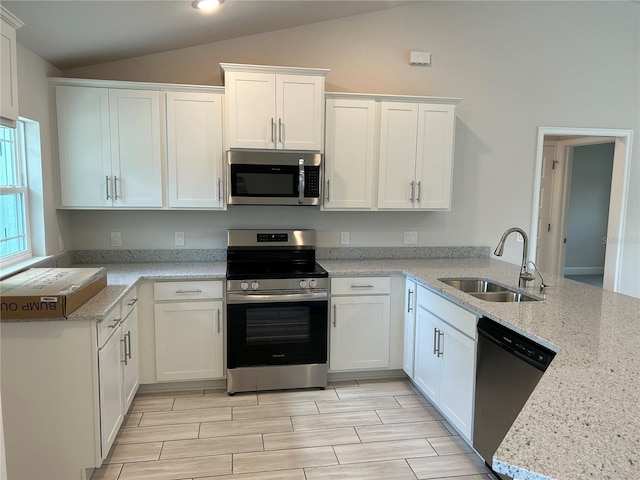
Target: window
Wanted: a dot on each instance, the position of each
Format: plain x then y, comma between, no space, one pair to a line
14,207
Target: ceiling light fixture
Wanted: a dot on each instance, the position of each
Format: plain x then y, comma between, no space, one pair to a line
206,4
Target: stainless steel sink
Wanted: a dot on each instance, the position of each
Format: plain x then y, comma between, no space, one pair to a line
488,290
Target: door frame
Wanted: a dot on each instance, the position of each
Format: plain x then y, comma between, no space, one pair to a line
619,192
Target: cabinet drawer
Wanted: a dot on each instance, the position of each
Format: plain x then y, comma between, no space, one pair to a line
108,325
197,290
129,302
456,316
361,286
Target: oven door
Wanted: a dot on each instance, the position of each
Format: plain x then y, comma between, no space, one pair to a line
277,333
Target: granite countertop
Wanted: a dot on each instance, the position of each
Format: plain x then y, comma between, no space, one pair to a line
582,420
123,276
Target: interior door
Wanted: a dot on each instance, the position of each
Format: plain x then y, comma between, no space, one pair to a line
545,208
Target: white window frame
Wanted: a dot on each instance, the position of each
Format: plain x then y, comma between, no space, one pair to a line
22,188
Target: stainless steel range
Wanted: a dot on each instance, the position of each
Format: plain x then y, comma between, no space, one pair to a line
277,311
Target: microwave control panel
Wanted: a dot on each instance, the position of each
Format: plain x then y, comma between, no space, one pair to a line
312,182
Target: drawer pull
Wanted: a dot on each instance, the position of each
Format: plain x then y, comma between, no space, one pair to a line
132,302
115,323
361,286
182,292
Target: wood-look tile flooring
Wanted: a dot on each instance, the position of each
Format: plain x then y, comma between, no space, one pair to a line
373,430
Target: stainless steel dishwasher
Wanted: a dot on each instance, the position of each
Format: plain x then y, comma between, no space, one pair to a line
509,367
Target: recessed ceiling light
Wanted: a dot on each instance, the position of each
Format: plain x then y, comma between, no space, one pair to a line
206,4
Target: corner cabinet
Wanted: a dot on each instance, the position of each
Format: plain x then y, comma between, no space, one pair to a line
388,152
194,150
9,68
188,330
416,155
110,147
445,357
277,108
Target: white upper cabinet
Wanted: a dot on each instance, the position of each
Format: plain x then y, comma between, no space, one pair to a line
434,156
350,153
398,134
136,159
109,144
194,150
416,155
8,68
274,107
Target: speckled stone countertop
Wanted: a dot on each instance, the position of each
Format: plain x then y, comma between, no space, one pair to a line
583,419
122,276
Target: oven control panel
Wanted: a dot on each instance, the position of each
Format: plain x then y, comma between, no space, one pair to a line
278,284
272,237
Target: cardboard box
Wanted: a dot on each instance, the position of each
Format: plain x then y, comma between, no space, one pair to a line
49,292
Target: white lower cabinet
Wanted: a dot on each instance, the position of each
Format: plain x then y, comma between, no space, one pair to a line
445,357
117,367
360,323
409,330
188,330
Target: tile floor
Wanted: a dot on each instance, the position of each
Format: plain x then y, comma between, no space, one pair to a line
373,430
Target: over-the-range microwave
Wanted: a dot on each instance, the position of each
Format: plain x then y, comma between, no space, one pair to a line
274,178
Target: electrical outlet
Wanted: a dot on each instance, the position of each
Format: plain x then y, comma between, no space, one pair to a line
179,239
344,238
116,239
410,238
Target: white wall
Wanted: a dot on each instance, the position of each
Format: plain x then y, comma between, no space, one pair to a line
497,56
34,104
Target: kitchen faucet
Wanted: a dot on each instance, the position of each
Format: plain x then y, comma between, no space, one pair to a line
525,275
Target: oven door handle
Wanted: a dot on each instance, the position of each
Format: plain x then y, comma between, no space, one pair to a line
275,297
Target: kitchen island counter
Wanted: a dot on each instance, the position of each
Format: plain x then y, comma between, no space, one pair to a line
582,420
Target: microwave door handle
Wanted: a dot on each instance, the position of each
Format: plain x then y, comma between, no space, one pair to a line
301,181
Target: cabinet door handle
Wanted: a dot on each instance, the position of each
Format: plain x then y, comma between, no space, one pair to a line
435,339
107,184
440,346
218,321
219,189
328,190
115,323
334,316
129,342
412,184
409,293
273,130
115,188
419,189
124,343
182,292
280,130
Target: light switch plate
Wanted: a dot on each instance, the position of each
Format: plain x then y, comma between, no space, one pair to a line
410,238
344,238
